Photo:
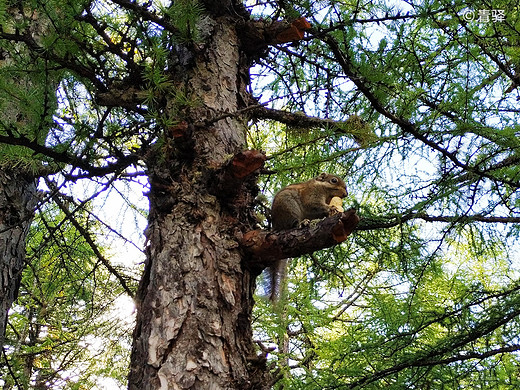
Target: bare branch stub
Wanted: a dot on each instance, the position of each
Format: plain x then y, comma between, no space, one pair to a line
257,35
247,162
235,185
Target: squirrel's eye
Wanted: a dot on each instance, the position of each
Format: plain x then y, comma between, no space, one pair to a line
334,180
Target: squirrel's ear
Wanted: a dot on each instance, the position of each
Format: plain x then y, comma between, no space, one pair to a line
322,176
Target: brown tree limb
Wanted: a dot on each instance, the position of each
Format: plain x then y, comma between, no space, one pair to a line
436,356
353,126
257,35
299,119
434,362
265,247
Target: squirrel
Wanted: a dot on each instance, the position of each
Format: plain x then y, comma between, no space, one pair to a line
297,203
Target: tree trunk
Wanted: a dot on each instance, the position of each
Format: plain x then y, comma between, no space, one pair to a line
18,192
195,299
18,198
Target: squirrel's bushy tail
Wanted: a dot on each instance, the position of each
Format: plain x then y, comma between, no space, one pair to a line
277,277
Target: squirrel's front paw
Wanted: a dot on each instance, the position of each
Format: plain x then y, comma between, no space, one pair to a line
305,222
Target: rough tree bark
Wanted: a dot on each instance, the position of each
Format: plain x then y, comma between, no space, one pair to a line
195,298
18,198
18,192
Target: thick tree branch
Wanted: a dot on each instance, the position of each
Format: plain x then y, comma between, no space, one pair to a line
265,247
299,119
435,362
354,126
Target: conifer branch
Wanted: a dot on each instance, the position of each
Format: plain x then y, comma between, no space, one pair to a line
90,241
145,14
386,222
67,158
406,125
